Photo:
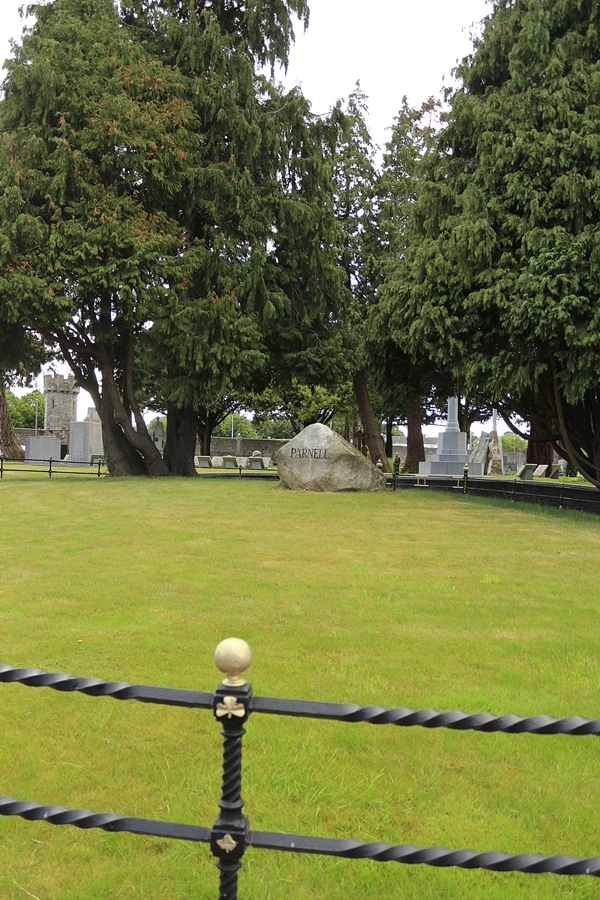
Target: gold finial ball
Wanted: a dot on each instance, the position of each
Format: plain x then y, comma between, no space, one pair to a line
233,656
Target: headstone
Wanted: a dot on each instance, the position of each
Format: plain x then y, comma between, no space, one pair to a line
318,459
85,439
525,473
157,433
38,450
496,460
256,462
451,457
478,461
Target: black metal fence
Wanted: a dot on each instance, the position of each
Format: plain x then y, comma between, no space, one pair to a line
230,835
51,467
558,494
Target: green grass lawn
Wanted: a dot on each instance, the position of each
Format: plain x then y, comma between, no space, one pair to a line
396,599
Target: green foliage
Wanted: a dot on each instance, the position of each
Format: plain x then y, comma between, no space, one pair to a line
94,137
165,209
513,443
279,429
241,425
500,282
255,288
297,405
412,388
23,409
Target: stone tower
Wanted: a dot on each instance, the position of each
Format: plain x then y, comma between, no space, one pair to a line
61,404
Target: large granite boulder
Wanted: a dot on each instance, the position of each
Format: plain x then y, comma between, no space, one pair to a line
318,459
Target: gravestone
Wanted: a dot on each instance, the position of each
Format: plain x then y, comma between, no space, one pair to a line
318,459
496,461
478,461
38,450
451,457
85,439
157,433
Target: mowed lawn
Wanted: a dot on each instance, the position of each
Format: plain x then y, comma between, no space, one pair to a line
410,599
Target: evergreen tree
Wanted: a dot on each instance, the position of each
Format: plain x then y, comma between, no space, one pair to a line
500,281
356,208
93,133
255,285
164,211
408,385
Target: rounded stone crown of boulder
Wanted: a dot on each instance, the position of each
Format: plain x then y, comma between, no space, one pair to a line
318,459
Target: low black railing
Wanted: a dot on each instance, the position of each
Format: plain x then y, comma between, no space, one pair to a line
51,467
230,834
558,494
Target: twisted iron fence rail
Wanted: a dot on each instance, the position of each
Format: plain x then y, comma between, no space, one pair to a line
230,834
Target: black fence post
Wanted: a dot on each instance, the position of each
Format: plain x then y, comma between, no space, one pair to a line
50,468
465,479
396,469
1,466
231,707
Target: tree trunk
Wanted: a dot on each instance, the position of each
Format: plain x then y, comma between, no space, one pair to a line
9,446
389,438
370,424
205,425
180,445
135,453
121,458
127,450
539,451
415,445
207,436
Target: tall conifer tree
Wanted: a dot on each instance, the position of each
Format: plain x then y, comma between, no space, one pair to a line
500,281
93,133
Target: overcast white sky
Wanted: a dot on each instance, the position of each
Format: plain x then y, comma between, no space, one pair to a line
393,47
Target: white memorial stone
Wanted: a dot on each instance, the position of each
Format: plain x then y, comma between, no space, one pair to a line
85,439
318,459
451,456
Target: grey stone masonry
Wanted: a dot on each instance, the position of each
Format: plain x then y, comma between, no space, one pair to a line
61,403
85,440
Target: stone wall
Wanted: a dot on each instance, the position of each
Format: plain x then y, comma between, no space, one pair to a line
221,446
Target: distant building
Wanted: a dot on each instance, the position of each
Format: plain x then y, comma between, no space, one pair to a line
60,393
